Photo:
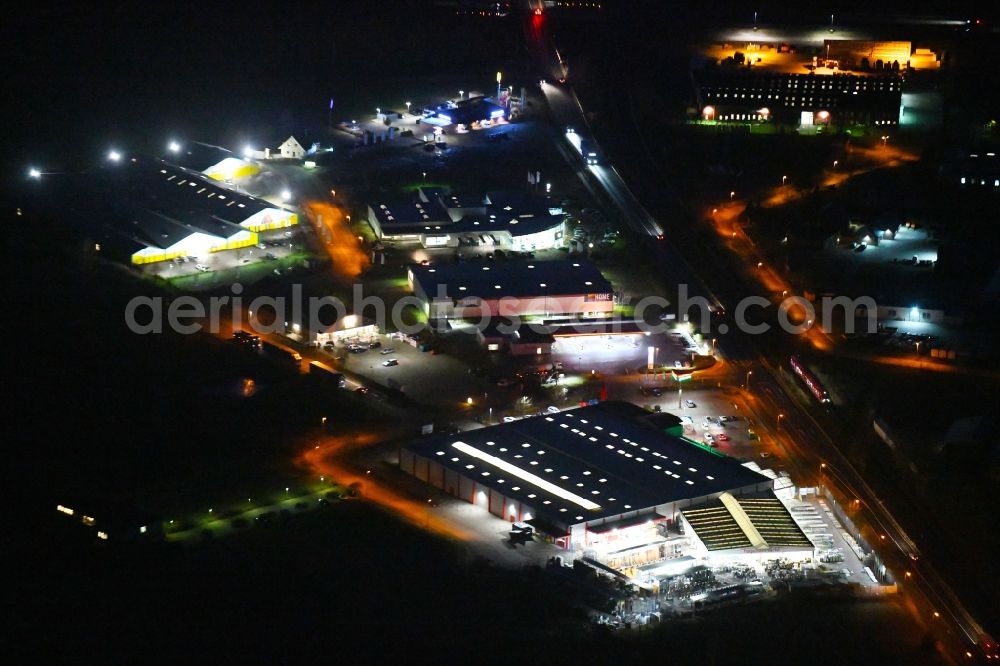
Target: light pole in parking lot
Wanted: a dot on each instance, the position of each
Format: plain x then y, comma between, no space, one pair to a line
780,416
749,372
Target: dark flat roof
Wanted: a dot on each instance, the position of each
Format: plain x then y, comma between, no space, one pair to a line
586,464
514,278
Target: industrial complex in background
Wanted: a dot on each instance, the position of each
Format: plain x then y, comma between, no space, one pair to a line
845,82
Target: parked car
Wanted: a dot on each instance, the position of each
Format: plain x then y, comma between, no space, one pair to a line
552,409
387,350
690,403
202,267
389,363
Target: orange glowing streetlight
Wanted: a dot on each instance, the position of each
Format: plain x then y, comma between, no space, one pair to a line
732,195
784,179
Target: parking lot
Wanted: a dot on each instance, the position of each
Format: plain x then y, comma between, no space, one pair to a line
430,378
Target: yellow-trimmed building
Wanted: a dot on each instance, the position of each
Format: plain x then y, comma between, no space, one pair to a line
167,211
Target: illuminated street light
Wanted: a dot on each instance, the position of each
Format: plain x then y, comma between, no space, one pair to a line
114,155
760,264
34,173
885,137
378,111
468,401
732,195
713,346
835,163
749,372
408,106
780,416
174,147
461,94
285,195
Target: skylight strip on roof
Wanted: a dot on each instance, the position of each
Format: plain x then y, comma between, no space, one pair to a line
526,476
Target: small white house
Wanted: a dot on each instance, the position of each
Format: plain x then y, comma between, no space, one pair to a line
292,149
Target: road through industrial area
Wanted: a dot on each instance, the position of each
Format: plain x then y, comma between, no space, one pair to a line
811,449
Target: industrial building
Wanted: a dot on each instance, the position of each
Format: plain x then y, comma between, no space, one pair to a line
613,482
506,220
737,95
152,211
512,288
214,161
466,112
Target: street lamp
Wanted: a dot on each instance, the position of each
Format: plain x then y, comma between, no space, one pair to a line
114,155
713,346
461,94
34,173
835,163
408,107
732,195
174,147
780,416
749,372
885,137
783,179
378,111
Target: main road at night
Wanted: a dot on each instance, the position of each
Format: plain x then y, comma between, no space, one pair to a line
820,460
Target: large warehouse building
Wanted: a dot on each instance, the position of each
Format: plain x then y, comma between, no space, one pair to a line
512,288
807,99
611,482
508,220
155,211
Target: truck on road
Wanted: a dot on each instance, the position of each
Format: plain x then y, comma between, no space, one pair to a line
280,354
325,373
